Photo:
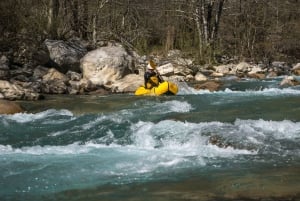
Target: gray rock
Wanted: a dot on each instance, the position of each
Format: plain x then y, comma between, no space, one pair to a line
54,82
73,76
39,72
65,55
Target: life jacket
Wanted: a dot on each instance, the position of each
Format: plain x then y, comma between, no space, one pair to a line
153,81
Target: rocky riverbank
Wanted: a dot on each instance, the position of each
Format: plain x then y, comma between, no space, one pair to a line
72,67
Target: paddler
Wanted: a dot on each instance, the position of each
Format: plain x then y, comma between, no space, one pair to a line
152,77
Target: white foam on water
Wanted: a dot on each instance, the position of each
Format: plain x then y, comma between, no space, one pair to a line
141,138
29,117
178,138
70,149
154,146
92,123
275,91
263,92
177,106
181,145
171,106
118,118
184,89
164,145
285,129
4,149
58,133
160,148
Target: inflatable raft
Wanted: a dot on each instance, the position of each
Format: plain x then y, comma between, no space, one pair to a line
167,88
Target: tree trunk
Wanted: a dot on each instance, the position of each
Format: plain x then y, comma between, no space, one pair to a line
94,35
100,5
214,33
170,38
83,25
75,12
53,9
204,22
199,31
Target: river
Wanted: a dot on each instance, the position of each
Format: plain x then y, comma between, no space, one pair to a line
240,143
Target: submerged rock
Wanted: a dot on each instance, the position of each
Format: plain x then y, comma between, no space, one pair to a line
218,141
289,81
209,85
9,107
257,75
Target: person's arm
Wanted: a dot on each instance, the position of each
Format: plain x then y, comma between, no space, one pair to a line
159,78
146,78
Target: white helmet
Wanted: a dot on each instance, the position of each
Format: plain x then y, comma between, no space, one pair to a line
150,67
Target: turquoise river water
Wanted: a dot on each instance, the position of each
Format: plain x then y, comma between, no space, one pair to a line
240,143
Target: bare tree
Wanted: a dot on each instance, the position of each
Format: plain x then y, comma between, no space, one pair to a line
53,10
204,28
207,15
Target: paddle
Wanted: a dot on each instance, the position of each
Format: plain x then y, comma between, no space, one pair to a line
153,65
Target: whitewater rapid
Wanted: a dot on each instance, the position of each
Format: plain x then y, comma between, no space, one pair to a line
147,139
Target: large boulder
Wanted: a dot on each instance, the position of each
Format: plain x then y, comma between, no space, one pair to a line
106,65
66,55
9,107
